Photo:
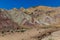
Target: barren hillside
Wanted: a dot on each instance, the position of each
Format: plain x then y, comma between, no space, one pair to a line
34,23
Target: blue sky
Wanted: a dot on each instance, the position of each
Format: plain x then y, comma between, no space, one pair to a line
9,4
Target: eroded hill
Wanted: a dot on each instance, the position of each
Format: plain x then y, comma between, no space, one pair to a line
36,16
35,22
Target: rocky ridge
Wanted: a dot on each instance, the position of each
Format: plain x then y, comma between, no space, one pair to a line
36,16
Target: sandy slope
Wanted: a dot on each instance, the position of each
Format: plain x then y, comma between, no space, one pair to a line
28,35
53,36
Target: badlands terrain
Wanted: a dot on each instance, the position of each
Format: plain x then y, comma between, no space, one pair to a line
34,23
